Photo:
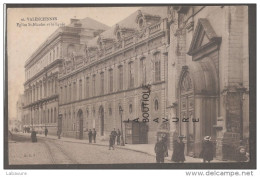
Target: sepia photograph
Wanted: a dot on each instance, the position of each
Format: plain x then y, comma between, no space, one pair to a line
130,86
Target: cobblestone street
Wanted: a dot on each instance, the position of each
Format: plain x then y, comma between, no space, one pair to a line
48,151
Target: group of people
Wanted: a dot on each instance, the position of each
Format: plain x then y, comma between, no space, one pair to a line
92,135
113,138
178,156
207,151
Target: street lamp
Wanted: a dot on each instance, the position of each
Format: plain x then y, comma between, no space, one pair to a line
121,116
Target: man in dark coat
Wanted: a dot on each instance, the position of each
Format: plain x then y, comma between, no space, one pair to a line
118,137
90,134
114,134
164,140
33,136
111,141
178,150
46,131
94,135
207,150
159,150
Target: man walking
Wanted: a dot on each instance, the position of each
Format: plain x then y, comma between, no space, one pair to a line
90,136
46,131
159,150
114,134
118,137
178,150
94,135
111,141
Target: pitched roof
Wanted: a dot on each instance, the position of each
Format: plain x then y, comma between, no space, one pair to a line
90,23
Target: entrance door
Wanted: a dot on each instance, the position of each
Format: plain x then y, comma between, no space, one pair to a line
187,127
80,123
101,115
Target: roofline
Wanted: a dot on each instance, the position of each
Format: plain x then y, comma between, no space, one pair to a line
54,35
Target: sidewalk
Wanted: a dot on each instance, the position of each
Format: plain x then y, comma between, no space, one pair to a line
142,148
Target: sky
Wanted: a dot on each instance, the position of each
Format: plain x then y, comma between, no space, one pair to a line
22,40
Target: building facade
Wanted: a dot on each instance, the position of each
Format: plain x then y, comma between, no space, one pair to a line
110,74
181,70
42,70
208,88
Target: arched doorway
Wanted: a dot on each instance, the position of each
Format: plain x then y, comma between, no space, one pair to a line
80,124
197,105
101,118
187,111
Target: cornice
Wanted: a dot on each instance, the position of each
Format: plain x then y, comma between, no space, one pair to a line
57,61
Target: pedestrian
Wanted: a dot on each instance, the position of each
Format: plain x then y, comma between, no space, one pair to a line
164,140
33,136
159,150
118,137
58,133
207,150
90,136
242,155
46,131
114,134
111,141
94,135
178,150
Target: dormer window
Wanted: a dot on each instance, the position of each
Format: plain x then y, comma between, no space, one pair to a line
141,23
118,36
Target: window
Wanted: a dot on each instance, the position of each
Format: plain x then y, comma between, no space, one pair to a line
61,95
120,76
57,51
102,83
87,87
70,92
55,115
141,23
66,93
51,115
94,85
48,120
53,55
130,108
87,113
74,91
156,105
110,80
110,111
80,89
131,75
143,70
157,66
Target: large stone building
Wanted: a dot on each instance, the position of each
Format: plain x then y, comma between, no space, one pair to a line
194,60
107,74
42,69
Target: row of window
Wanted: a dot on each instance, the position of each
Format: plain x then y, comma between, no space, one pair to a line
46,60
110,112
43,90
46,117
69,92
